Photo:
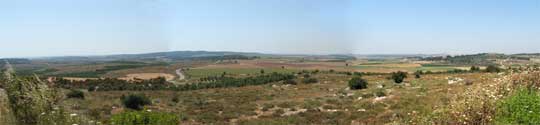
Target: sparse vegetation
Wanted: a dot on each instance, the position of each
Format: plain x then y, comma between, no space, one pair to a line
244,95
144,118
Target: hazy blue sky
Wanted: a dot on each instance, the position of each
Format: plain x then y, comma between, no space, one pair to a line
30,28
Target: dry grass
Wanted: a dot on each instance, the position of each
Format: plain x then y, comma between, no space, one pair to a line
134,76
327,102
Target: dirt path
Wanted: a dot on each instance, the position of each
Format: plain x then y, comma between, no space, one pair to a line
180,74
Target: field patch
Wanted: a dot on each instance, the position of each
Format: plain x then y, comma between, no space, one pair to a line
134,76
196,73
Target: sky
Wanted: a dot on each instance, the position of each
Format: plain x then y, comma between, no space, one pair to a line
37,28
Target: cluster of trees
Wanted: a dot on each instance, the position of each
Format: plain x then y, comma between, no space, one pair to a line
226,82
476,59
113,84
227,57
490,68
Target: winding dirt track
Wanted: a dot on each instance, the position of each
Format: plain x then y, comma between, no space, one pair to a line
181,75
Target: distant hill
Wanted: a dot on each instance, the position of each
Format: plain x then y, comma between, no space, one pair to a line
189,55
180,55
477,59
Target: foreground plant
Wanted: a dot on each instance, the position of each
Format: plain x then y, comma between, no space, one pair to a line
512,98
523,107
33,102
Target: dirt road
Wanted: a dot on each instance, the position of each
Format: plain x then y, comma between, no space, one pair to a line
180,74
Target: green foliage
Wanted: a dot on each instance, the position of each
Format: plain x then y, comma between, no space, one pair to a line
110,84
75,94
357,83
310,80
33,102
493,69
28,98
97,73
475,69
135,101
144,118
113,84
523,107
399,76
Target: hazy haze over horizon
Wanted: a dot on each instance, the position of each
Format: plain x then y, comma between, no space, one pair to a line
35,28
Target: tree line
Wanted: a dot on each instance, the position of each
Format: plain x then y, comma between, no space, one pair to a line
114,84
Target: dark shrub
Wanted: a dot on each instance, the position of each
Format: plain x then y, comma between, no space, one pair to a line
493,68
310,80
357,83
144,118
290,82
418,74
399,76
75,94
135,102
175,99
475,69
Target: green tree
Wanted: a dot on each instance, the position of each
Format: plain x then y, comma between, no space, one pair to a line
493,68
357,83
475,69
135,101
75,94
399,76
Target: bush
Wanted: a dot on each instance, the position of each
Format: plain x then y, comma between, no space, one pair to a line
380,93
493,68
523,107
357,83
75,94
290,82
475,69
135,102
175,99
144,118
310,80
418,74
399,76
